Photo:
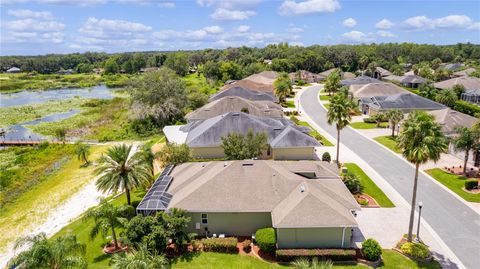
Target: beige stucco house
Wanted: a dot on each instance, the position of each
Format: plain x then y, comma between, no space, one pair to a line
306,202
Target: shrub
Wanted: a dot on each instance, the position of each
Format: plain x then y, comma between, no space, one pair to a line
247,246
289,113
471,184
466,107
294,119
352,183
223,245
326,157
287,255
371,249
416,250
266,239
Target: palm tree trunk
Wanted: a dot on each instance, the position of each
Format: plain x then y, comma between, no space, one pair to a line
127,192
465,161
114,236
338,147
393,130
414,200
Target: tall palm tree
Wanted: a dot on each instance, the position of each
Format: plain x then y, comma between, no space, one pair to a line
447,97
82,150
121,170
61,134
332,82
394,116
106,217
339,113
421,140
148,158
283,86
58,253
466,140
140,259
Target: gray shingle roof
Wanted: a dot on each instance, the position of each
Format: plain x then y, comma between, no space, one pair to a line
265,186
236,104
449,119
291,138
209,132
470,83
376,89
405,101
245,93
361,80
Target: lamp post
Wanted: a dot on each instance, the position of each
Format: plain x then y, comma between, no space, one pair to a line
420,205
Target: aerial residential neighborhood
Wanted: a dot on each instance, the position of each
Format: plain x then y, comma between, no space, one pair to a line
239,134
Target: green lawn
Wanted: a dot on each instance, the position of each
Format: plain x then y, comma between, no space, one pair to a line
289,104
327,106
314,133
324,97
209,260
369,187
454,183
94,252
365,125
389,142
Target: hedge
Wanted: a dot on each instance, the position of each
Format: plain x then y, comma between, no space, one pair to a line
288,255
416,250
266,239
471,184
467,108
223,245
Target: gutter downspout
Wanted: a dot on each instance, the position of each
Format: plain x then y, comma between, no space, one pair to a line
343,236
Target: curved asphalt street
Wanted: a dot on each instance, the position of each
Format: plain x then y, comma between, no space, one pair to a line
457,224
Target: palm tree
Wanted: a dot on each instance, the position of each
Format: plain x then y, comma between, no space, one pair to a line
332,82
465,140
140,259
339,113
148,158
447,97
283,86
61,134
121,170
421,140
82,150
61,252
394,116
106,217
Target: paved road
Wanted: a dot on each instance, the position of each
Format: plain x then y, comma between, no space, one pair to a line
456,223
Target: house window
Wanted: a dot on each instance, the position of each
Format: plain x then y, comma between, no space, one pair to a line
204,218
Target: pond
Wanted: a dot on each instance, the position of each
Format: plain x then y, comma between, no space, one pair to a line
20,132
33,97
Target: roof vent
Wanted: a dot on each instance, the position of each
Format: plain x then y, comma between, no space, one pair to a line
225,164
302,188
236,114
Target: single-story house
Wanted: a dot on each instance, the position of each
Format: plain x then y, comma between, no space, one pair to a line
452,66
14,70
375,89
471,96
344,75
65,72
264,77
406,102
305,202
381,72
251,85
409,81
360,80
286,140
245,93
236,104
469,83
464,73
306,76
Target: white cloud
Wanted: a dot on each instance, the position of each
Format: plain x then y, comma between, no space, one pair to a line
229,4
213,29
422,23
103,27
350,22
27,13
382,33
384,24
243,28
167,4
231,15
358,37
292,7
34,25
295,29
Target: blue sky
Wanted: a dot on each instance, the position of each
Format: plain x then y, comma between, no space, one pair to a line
30,27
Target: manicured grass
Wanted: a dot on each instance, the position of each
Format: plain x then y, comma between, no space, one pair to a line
369,187
391,260
94,247
55,185
324,97
327,106
289,104
364,125
314,133
454,183
389,142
